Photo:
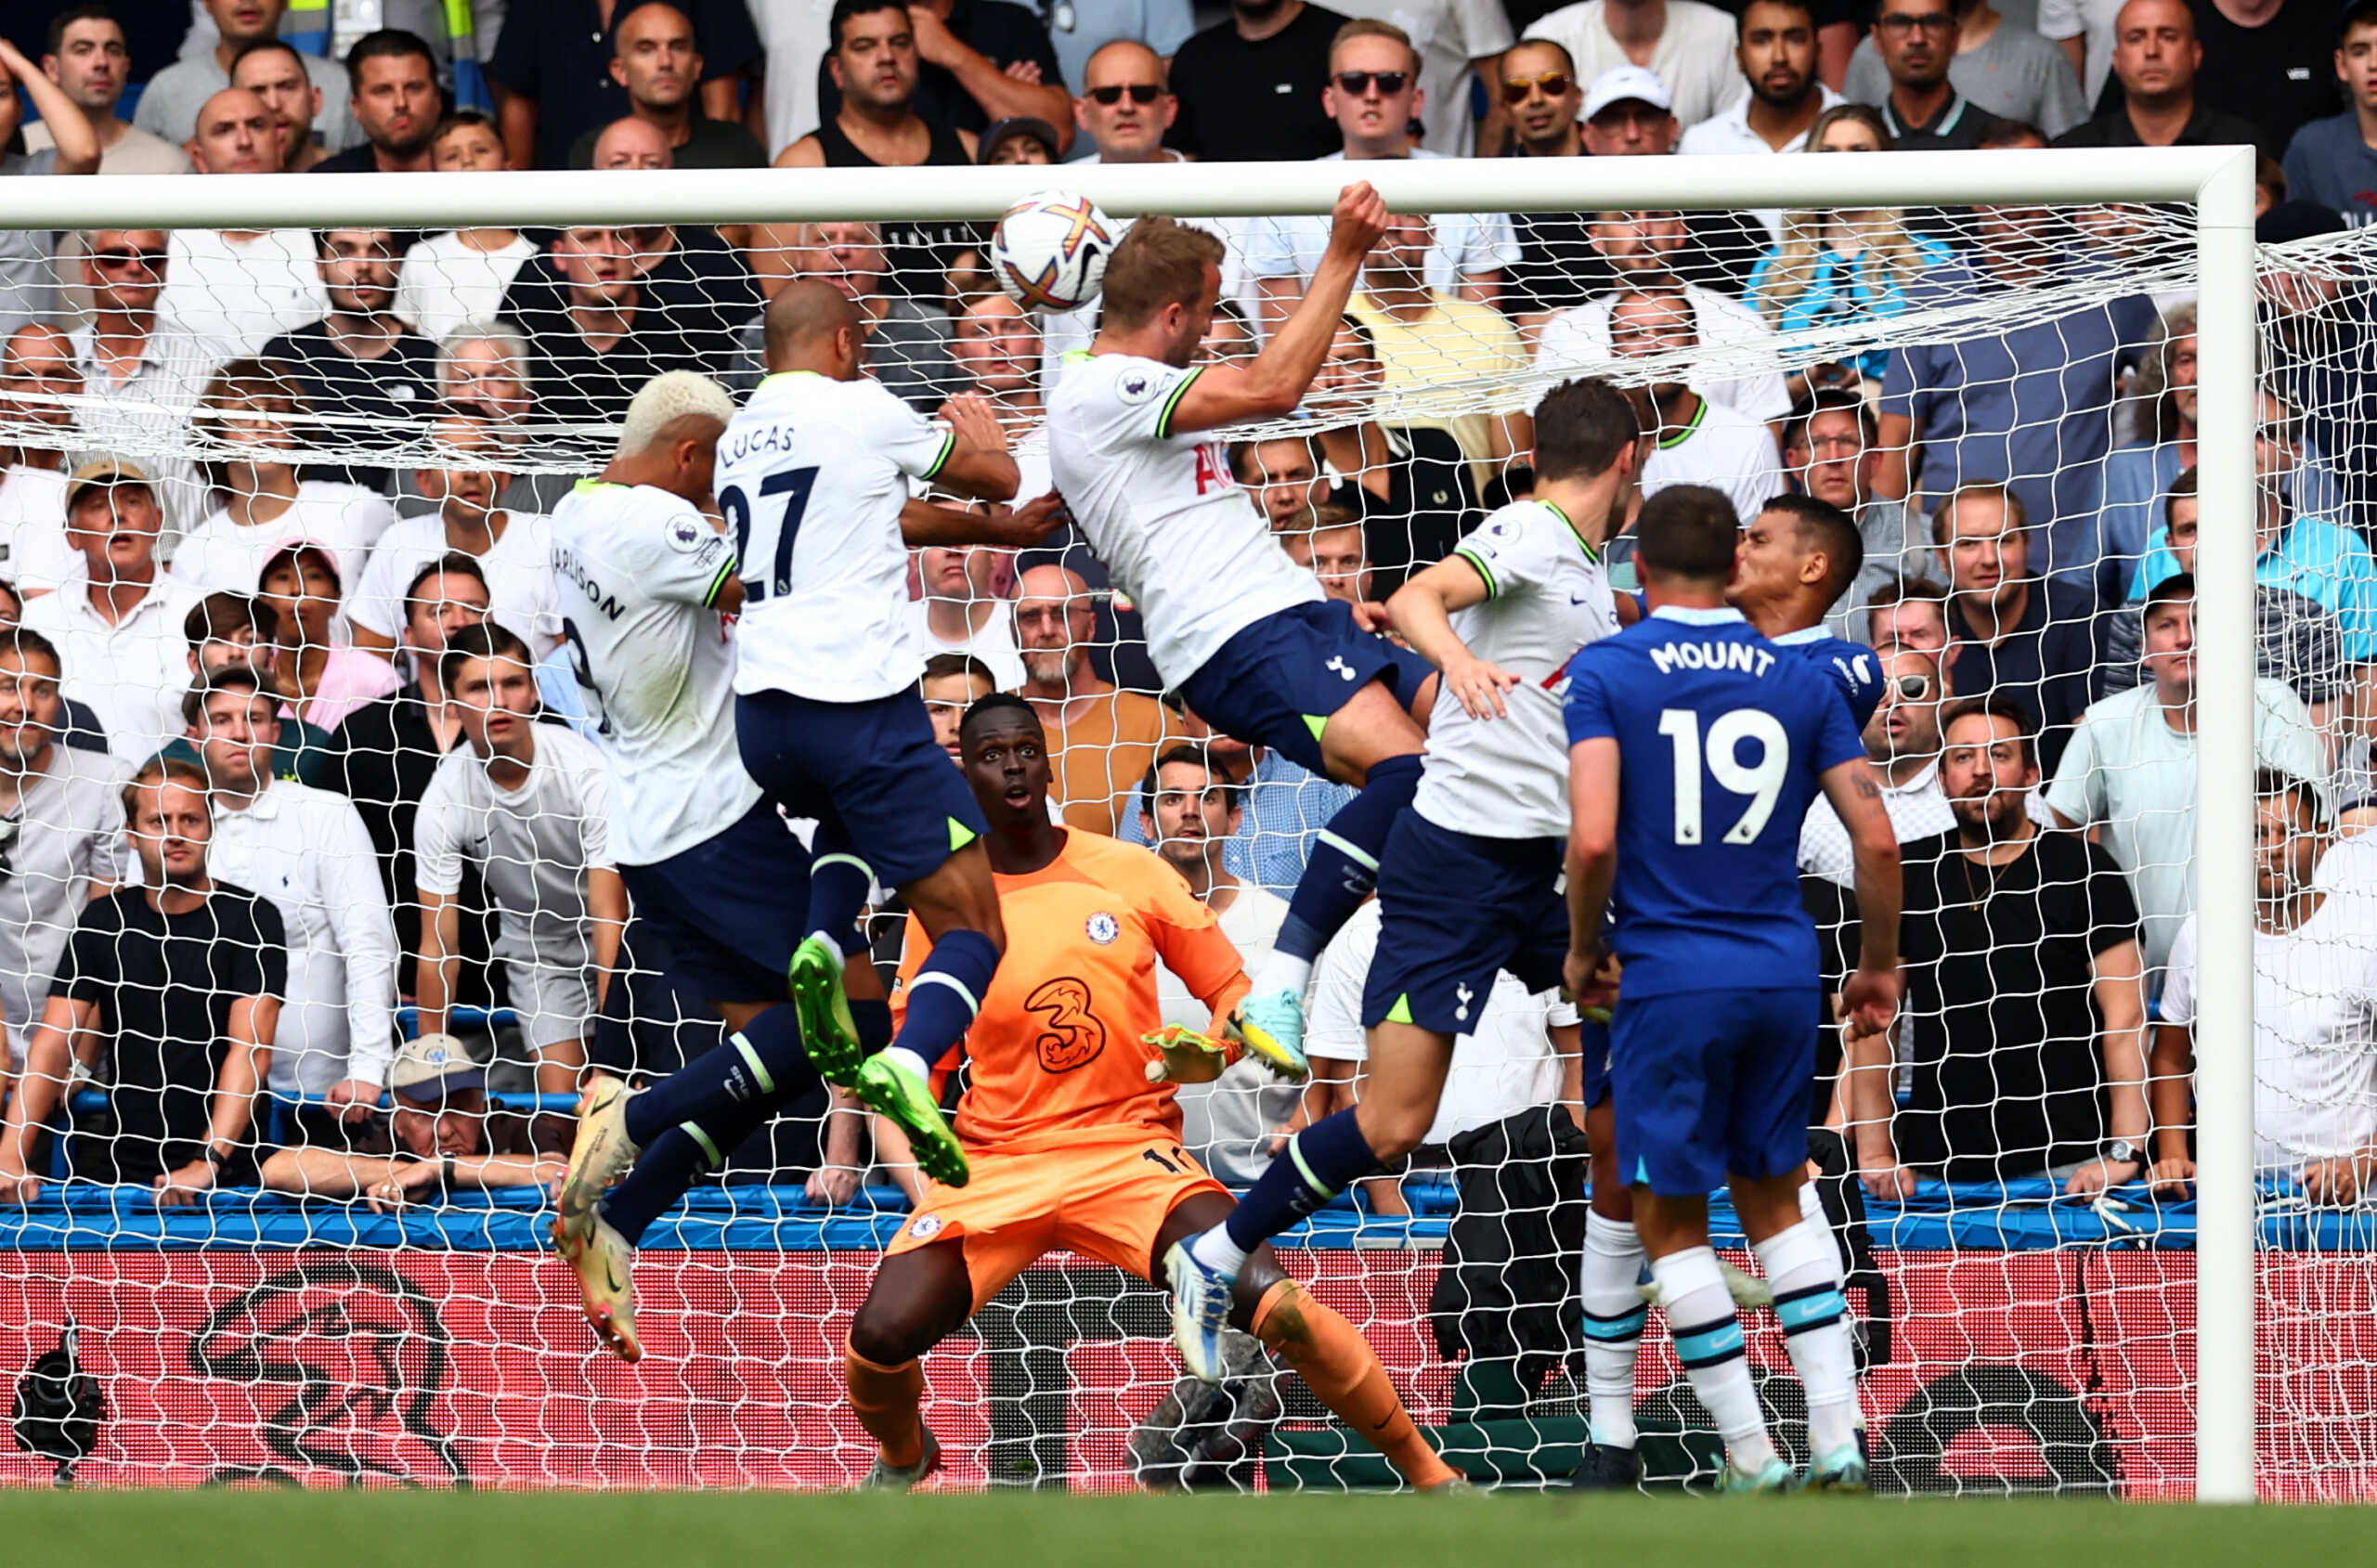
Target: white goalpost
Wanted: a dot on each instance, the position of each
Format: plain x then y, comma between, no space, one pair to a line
2208,190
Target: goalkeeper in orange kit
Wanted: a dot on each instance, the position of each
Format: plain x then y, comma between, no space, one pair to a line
1069,1120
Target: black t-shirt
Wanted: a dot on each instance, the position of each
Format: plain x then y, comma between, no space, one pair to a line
2048,663
2001,1010
1959,128
2280,75
1558,266
694,302
557,54
997,29
394,391
163,985
1257,102
2206,127
715,144
1431,501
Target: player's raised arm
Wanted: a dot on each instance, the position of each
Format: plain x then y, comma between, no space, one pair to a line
978,463
1421,610
926,522
1274,382
1871,995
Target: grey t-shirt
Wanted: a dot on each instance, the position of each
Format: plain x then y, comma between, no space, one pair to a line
534,845
2016,75
2328,162
169,107
28,276
67,833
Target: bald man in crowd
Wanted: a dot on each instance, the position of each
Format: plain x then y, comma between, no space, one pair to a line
1101,739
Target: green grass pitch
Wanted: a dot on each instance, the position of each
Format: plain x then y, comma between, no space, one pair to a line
1048,1530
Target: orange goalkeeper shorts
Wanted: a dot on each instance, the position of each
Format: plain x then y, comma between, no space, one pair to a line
1103,1200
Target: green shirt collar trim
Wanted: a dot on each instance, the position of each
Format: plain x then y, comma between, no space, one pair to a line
1582,543
1669,443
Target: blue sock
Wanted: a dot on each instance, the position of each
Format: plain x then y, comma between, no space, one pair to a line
839,883
874,1020
1317,1164
670,1164
758,1068
1343,870
947,992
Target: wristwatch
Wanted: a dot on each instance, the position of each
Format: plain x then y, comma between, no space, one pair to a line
2121,1151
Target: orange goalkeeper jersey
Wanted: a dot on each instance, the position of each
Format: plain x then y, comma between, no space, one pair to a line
1054,1052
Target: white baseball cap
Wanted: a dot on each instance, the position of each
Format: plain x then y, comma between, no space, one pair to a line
1620,83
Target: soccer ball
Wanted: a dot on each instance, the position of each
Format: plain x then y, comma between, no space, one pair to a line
1050,251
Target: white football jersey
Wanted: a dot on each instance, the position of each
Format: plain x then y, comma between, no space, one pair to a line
1162,512
812,474
1547,595
636,571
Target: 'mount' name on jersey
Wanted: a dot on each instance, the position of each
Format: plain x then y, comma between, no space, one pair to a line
1740,656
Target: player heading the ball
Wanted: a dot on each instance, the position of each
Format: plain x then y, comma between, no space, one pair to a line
1696,746
1243,633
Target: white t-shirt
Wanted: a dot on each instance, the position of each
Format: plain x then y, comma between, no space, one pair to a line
534,845
241,294
1252,924
1547,596
2127,771
445,282
994,645
1722,448
812,474
131,673
2315,1018
346,519
637,571
1466,243
1176,531
1504,1066
795,35
1449,34
1693,58
34,552
2092,20
1578,340
519,577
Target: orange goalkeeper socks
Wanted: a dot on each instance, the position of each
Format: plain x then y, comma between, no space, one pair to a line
887,1400
1337,1364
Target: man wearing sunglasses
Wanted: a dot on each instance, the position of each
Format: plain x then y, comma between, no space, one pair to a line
1374,93
1456,39
142,378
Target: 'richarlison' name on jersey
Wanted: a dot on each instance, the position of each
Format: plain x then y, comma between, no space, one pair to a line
1722,741
1547,594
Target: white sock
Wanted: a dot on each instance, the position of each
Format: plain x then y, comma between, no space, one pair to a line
901,1056
1613,1308
1276,971
1217,1251
1811,1206
832,948
1805,1268
1708,1331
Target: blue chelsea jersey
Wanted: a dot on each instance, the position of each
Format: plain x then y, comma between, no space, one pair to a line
1853,666
1722,738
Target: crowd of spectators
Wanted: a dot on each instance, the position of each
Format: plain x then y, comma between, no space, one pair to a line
289,737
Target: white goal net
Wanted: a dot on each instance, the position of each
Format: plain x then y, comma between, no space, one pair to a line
301,426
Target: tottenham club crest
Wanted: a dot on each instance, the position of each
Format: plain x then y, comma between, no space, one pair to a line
924,1228
1103,928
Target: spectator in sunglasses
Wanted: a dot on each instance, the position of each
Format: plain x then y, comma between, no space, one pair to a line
1541,100
141,375
1903,742
1456,40
1692,46
1124,107
1374,93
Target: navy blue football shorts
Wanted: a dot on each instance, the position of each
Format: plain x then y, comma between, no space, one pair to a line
870,773
1455,908
723,917
1276,681
1712,1083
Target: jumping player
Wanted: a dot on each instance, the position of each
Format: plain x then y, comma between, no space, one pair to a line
1070,1120
1791,564
1244,635
648,581
1696,746
1470,883
814,478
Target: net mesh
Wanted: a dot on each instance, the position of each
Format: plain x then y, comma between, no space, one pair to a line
307,445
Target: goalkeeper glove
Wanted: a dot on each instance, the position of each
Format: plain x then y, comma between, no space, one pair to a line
1182,1055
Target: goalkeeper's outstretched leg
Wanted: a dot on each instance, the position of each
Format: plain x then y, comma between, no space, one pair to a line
974,1242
